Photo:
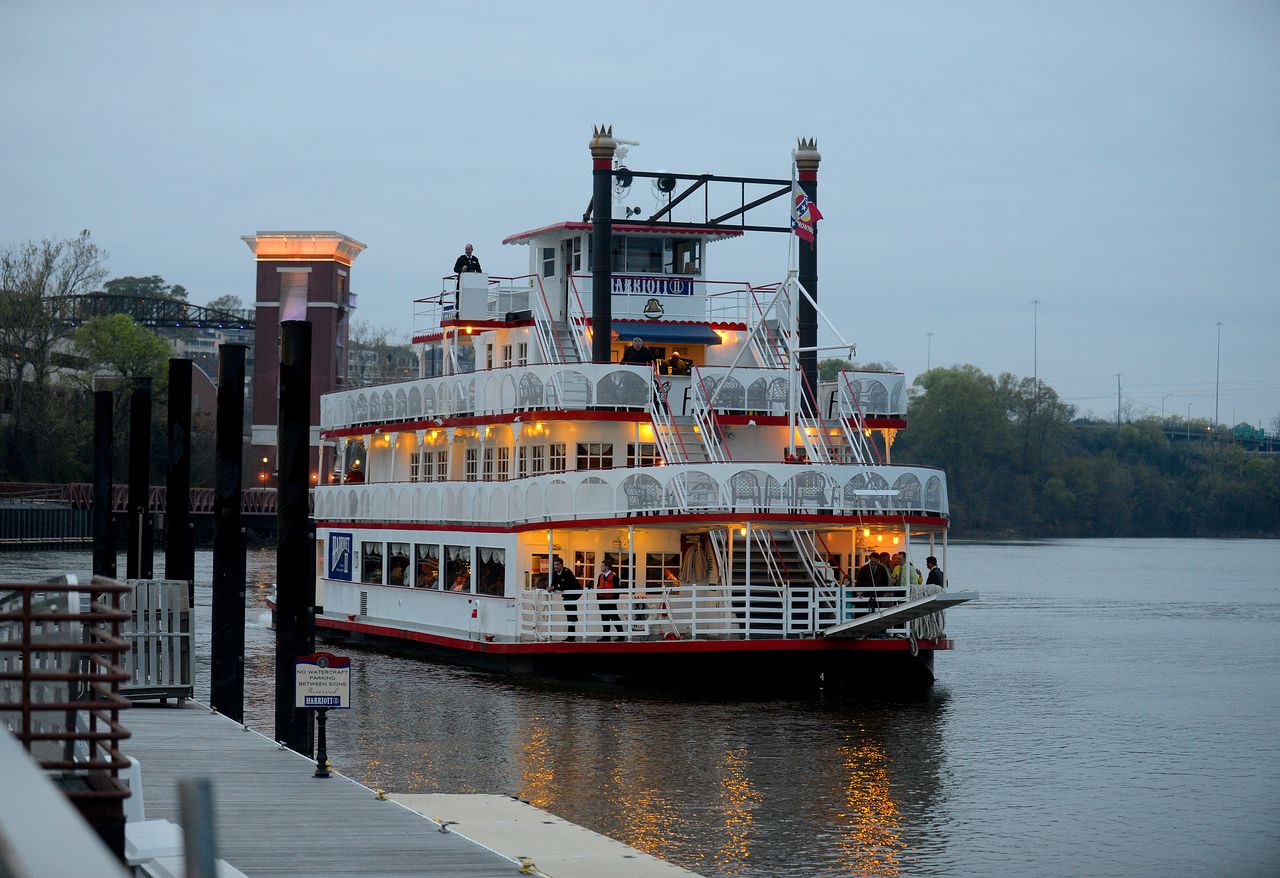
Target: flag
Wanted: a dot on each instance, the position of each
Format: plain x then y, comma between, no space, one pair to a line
804,213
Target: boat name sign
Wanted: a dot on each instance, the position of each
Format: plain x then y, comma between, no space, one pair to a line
322,680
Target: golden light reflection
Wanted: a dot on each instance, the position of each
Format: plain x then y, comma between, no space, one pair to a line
739,798
648,819
873,842
537,772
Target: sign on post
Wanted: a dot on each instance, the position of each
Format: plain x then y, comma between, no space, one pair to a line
322,680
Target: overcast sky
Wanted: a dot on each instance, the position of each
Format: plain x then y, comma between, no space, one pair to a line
1120,162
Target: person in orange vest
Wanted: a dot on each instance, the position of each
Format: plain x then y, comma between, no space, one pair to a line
607,595
354,475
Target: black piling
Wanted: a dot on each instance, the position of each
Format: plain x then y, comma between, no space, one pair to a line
295,557
104,536
226,684
603,147
179,549
807,161
140,554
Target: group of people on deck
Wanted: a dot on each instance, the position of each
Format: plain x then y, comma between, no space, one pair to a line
883,570
606,585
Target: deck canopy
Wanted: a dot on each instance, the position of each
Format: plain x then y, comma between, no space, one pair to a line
665,333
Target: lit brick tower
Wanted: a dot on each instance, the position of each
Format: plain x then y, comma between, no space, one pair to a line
301,276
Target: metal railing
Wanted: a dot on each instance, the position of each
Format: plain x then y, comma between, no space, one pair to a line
60,683
159,633
697,612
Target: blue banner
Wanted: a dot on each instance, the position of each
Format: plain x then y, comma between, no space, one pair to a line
340,561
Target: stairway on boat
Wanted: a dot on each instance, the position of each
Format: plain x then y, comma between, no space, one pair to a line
564,343
782,550
686,438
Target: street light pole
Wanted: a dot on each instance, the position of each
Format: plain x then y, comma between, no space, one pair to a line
1035,352
1217,371
1162,399
928,362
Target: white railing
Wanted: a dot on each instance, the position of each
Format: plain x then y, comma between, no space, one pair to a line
839,489
504,295
693,612
704,416
159,634
516,389
872,394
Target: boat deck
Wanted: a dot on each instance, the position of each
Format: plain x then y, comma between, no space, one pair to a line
275,819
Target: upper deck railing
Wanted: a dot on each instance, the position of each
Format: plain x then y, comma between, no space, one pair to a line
870,394
710,488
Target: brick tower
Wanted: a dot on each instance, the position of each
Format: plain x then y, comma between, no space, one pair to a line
301,276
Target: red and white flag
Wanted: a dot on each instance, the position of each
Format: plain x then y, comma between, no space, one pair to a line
804,214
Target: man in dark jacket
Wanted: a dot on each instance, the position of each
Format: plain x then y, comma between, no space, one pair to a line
466,262
935,573
637,353
563,581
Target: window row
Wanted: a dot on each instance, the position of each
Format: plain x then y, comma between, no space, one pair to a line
659,569
493,464
474,570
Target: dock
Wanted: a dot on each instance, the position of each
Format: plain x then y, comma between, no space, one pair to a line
273,818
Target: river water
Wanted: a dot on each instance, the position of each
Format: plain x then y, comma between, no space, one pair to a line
1112,708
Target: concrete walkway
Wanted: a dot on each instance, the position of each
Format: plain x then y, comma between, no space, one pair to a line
556,847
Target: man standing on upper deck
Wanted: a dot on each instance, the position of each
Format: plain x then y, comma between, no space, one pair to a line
638,354
466,262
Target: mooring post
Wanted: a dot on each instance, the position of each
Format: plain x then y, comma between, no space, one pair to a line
104,535
295,557
226,683
179,552
322,745
140,555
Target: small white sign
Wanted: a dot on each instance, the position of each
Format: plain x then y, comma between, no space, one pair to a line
322,680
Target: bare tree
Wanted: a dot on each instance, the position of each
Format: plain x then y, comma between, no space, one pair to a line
35,281
376,355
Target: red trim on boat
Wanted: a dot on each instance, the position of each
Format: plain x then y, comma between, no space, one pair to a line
816,644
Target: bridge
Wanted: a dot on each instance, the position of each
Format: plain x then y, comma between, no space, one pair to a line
254,501
155,312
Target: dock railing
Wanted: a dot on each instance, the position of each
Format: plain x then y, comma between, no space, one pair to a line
159,634
60,679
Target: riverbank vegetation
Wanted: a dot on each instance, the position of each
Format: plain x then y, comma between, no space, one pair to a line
1020,463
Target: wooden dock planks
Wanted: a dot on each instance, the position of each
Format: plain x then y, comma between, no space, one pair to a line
275,819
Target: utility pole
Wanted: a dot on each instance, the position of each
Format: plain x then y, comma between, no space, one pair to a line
1162,399
1117,400
1217,372
928,361
1035,349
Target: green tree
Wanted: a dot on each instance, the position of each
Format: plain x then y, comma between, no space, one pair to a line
36,280
117,346
152,286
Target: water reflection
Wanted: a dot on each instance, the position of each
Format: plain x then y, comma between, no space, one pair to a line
872,841
739,798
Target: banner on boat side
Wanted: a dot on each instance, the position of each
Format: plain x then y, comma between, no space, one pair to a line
340,556
322,680
645,285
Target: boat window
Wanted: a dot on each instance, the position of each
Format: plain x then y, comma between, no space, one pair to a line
470,465
397,563
576,249
371,563
442,466
643,454
432,361
426,565
504,463
595,455
686,257
491,571
548,261
621,564
538,570
584,566
415,464
659,568
539,460
557,457
457,567
644,255
522,354
488,464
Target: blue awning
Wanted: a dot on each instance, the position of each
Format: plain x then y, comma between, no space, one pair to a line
665,333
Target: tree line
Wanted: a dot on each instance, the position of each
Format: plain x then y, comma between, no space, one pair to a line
1021,464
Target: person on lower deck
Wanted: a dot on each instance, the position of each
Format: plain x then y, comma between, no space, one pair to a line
904,573
935,573
607,595
872,575
563,581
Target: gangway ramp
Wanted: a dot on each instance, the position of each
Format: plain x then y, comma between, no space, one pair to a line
878,623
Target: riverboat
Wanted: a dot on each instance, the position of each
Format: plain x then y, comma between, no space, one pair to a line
730,489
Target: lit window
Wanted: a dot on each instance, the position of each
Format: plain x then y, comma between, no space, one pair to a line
595,455
643,454
522,462
488,465
539,460
504,464
470,469
558,461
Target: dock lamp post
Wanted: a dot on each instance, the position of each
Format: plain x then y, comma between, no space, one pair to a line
1217,372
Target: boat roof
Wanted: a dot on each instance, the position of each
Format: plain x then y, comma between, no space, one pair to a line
686,232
